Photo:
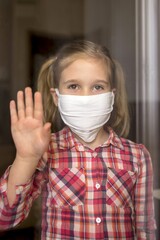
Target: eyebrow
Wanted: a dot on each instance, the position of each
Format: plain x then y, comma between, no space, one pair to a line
70,80
101,81
78,80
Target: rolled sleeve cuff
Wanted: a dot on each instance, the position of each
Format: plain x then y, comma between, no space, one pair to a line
21,190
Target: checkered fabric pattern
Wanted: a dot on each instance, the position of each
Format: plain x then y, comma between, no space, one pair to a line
105,193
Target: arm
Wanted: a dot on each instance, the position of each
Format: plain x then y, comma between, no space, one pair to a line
31,138
144,206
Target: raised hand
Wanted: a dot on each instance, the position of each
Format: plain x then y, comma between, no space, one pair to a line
31,136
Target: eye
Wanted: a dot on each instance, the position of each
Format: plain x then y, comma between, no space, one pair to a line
98,87
73,86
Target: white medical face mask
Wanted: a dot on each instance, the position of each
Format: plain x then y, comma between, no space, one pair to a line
85,115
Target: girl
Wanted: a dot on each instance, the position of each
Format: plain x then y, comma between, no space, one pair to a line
95,184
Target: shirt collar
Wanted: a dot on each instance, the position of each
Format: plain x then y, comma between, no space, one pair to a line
66,140
114,139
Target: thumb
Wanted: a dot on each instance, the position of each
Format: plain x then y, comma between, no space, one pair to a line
47,126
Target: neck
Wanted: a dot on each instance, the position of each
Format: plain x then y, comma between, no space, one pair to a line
101,137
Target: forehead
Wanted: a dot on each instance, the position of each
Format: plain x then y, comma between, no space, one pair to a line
83,57
86,67
65,63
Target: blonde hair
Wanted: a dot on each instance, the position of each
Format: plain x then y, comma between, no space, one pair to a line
50,74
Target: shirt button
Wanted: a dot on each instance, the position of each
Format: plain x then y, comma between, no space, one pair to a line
98,220
20,189
97,185
81,148
94,154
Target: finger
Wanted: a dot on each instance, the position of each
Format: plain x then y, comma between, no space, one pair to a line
29,102
20,105
13,112
38,107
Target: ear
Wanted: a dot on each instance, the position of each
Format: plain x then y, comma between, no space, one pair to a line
54,96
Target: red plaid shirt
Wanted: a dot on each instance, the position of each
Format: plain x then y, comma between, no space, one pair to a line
105,193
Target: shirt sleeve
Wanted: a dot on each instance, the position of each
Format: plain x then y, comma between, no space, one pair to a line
144,205
25,195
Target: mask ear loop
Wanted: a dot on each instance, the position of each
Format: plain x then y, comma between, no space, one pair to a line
114,91
57,91
55,95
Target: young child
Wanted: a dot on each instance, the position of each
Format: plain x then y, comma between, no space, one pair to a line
95,184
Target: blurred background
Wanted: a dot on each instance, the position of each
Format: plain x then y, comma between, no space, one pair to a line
33,30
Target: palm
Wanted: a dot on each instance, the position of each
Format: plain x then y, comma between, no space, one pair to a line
30,135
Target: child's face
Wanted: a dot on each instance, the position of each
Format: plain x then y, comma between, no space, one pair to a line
84,77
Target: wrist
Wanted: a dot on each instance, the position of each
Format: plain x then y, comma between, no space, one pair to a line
22,170
27,165
26,160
